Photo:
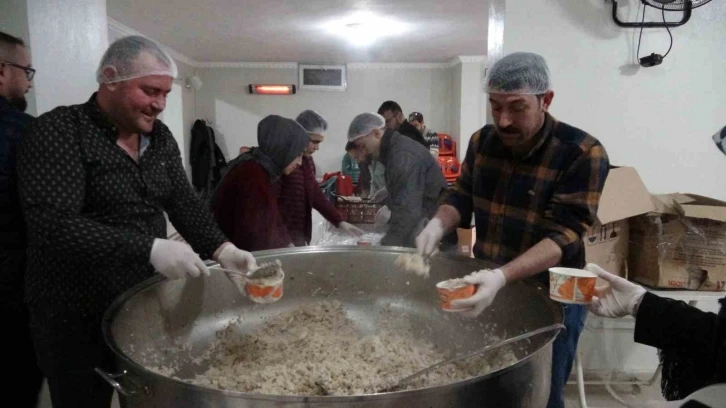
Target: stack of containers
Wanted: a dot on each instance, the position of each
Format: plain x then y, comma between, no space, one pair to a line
450,165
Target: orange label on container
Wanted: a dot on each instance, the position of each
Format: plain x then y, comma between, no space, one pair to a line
263,291
571,289
446,296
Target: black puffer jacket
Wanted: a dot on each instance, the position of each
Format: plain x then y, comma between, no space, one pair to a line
410,130
692,343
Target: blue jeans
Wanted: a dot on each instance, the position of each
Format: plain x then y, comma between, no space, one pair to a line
563,353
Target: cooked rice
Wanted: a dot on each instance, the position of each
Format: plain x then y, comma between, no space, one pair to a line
318,350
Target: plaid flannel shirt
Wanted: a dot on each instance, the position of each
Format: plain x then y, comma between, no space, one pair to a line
552,191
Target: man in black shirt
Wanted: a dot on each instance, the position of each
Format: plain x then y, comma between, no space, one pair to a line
16,75
95,180
392,113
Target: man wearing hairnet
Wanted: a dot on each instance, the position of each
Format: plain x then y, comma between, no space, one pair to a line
95,180
533,184
414,182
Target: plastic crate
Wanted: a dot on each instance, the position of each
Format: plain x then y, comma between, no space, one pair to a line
356,212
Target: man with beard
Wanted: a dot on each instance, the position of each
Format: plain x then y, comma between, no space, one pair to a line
95,181
414,183
16,75
533,184
393,114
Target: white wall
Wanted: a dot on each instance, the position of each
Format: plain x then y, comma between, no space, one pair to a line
472,116
67,40
235,114
456,132
658,119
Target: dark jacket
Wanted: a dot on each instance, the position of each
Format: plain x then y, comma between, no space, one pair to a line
299,194
205,158
13,123
245,208
410,130
692,343
245,203
414,182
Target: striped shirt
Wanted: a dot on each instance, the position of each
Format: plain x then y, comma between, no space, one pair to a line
551,191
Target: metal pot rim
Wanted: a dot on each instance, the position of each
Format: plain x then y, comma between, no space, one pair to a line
121,300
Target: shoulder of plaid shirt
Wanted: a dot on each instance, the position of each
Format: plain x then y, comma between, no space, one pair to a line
570,212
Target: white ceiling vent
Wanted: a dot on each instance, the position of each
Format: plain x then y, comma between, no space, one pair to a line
323,77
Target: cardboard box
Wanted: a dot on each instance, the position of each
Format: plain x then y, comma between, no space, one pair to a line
624,196
467,239
681,245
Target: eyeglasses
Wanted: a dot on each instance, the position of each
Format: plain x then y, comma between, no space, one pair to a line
29,72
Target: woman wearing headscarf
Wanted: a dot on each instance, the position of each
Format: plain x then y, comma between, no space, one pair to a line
300,192
245,204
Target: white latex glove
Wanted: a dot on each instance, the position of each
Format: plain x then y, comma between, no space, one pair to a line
351,229
489,283
380,196
235,259
620,298
176,260
383,216
427,242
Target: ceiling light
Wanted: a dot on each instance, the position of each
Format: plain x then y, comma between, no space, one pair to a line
364,28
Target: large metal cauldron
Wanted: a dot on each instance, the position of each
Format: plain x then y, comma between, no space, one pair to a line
142,324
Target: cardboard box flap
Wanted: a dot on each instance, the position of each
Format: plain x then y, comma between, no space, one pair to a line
623,196
666,203
702,207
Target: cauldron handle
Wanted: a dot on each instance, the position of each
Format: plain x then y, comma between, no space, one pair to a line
111,380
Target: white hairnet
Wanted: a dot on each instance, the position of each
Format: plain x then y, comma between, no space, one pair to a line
312,121
364,124
134,57
519,73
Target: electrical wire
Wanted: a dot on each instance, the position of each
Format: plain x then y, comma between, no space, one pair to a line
640,37
669,32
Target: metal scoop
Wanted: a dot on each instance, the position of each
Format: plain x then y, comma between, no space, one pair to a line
402,383
264,270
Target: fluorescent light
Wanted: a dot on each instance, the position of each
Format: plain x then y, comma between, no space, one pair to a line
261,89
363,28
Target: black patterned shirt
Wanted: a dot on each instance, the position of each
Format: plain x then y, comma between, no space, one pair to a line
93,212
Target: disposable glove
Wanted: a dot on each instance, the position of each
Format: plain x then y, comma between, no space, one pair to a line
235,259
383,216
488,285
176,260
427,242
620,298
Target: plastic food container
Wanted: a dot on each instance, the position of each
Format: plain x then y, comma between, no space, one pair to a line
453,289
265,290
575,286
